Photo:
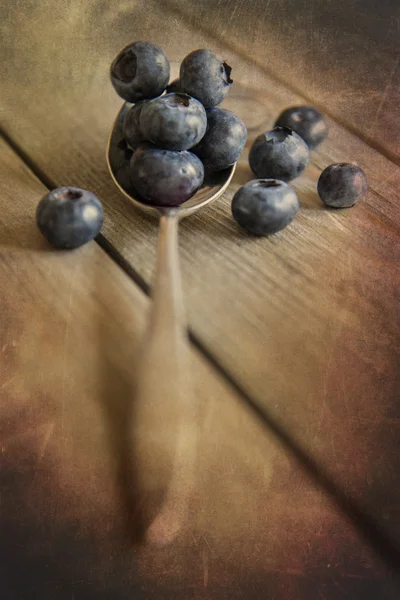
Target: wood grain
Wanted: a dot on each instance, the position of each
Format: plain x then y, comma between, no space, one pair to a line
306,321
71,325
343,56
286,315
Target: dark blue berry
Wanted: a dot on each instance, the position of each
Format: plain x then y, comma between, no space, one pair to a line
174,87
223,141
122,113
265,206
117,132
165,177
131,127
342,185
279,154
173,121
120,158
140,71
205,77
68,217
119,153
307,122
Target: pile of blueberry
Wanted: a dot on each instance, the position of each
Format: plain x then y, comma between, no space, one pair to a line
168,135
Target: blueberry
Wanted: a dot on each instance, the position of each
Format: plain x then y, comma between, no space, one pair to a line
205,77
131,127
68,217
279,154
174,87
119,121
223,141
122,113
342,185
140,71
265,206
174,121
119,157
119,153
165,177
307,122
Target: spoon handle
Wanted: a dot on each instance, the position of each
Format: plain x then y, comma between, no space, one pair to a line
164,412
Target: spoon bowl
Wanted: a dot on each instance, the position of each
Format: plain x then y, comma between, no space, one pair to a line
215,184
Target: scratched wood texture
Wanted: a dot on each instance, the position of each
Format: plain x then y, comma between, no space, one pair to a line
306,321
71,329
343,55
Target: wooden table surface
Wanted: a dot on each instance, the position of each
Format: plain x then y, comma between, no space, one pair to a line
295,338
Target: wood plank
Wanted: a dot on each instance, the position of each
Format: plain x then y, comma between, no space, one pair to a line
306,320
70,325
343,56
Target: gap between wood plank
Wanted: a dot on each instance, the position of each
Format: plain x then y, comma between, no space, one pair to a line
382,544
173,9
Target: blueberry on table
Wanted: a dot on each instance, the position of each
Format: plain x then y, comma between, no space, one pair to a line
131,127
205,77
342,185
174,87
279,154
173,121
140,71
265,206
307,122
68,217
165,177
223,141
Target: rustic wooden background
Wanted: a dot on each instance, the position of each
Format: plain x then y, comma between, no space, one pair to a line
296,340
